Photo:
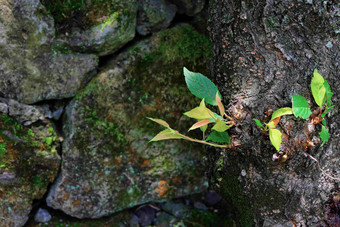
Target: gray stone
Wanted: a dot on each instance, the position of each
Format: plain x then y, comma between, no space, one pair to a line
3,108
30,69
28,163
108,164
189,7
28,114
110,31
154,15
42,216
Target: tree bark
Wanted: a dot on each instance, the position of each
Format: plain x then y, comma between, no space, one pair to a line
263,53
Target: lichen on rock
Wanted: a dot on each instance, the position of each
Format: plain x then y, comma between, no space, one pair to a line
28,163
31,70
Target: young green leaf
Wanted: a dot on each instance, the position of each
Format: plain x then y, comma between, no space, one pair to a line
275,138
159,121
219,104
200,124
318,88
204,128
282,111
324,122
200,112
221,126
271,125
219,137
327,111
167,134
324,134
300,107
258,122
329,94
200,86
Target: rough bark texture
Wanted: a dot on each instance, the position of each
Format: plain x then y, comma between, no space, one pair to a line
264,52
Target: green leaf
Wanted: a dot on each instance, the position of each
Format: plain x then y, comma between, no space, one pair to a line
219,137
200,112
200,86
282,111
271,125
275,138
221,126
300,107
166,135
324,134
318,88
200,124
204,128
159,121
327,111
329,94
258,122
324,122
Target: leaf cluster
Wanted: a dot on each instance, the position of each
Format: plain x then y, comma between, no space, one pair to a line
203,88
322,95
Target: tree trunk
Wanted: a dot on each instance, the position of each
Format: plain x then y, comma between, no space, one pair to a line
265,52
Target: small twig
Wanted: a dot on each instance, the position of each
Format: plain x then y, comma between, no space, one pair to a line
314,159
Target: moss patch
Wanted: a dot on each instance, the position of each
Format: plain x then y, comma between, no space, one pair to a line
82,12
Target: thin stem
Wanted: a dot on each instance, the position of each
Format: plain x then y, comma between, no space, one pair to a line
204,142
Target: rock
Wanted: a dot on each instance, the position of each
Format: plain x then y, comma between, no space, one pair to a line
146,215
165,219
28,114
28,163
200,206
154,15
3,108
108,164
31,69
42,216
211,198
189,7
179,210
108,27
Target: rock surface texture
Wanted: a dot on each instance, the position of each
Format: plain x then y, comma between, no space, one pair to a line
28,163
30,69
105,27
108,164
264,52
189,7
154,15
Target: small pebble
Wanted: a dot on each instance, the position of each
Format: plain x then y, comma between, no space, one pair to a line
42,216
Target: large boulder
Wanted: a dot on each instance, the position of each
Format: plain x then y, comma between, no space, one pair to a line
154,15
102,27
263,54
28,163
31,69
108,164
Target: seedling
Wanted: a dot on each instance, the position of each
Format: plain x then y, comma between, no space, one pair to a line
203,88
322,94
275,135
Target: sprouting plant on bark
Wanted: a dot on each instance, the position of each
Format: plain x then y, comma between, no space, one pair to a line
203,88
322,95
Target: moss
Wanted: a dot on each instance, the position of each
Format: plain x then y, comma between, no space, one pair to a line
39,181
86,13
92,116
232,191
182,42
